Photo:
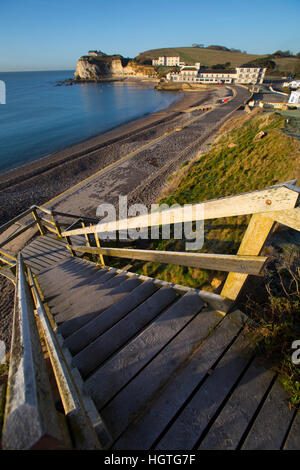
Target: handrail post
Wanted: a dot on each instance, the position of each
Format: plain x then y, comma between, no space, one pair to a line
87,236
69,245
99,246
56,224
252,243
37,219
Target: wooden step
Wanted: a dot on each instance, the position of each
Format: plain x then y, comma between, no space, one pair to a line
170,396
102,323
98,302
275,410
117,371
117,336
61,277
75,293
164,370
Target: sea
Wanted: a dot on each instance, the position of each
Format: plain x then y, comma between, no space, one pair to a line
39,117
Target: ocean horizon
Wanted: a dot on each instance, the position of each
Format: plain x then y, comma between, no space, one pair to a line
40,118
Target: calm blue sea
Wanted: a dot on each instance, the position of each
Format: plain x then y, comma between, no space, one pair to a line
40,118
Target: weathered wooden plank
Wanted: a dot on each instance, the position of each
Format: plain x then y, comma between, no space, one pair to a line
44,255
112,340
120,369
233,420
200,410
56,278
235,263
158,376
88,333
84,289
266,200
34,264
79,278
271,424
252,244
215,301
77,293
155,409
59,243
30,415
98,303
59,254
29,255
293,438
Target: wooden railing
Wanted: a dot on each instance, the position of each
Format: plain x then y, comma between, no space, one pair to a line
31,420
43,224
278,203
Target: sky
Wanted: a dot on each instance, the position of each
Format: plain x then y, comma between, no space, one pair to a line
53,34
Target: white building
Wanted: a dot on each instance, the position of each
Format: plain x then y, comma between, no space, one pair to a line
246,75
188,73
169,61
294,85
295,97
217,76
250,74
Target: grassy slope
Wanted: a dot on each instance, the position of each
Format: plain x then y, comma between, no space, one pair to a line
211,57
223,171
235,164
205,56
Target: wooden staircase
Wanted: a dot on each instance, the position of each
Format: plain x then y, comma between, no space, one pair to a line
140,363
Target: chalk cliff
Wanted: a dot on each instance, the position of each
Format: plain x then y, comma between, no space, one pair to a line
97,68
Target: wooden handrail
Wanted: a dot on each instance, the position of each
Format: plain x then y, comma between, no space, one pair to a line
278,198
85,435
240,264
15,219
16,234
30,420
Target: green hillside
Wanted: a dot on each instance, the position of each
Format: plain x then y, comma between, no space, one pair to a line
195,54
209,57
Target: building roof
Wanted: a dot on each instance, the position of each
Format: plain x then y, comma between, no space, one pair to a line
230,71
249,66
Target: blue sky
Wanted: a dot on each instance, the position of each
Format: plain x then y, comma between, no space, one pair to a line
53,34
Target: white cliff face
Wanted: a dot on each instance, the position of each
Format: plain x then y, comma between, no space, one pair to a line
86,71
106,69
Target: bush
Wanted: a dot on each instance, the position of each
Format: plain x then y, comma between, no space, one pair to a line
276,322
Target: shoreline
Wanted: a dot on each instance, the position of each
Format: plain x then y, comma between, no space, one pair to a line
123,131
40,181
